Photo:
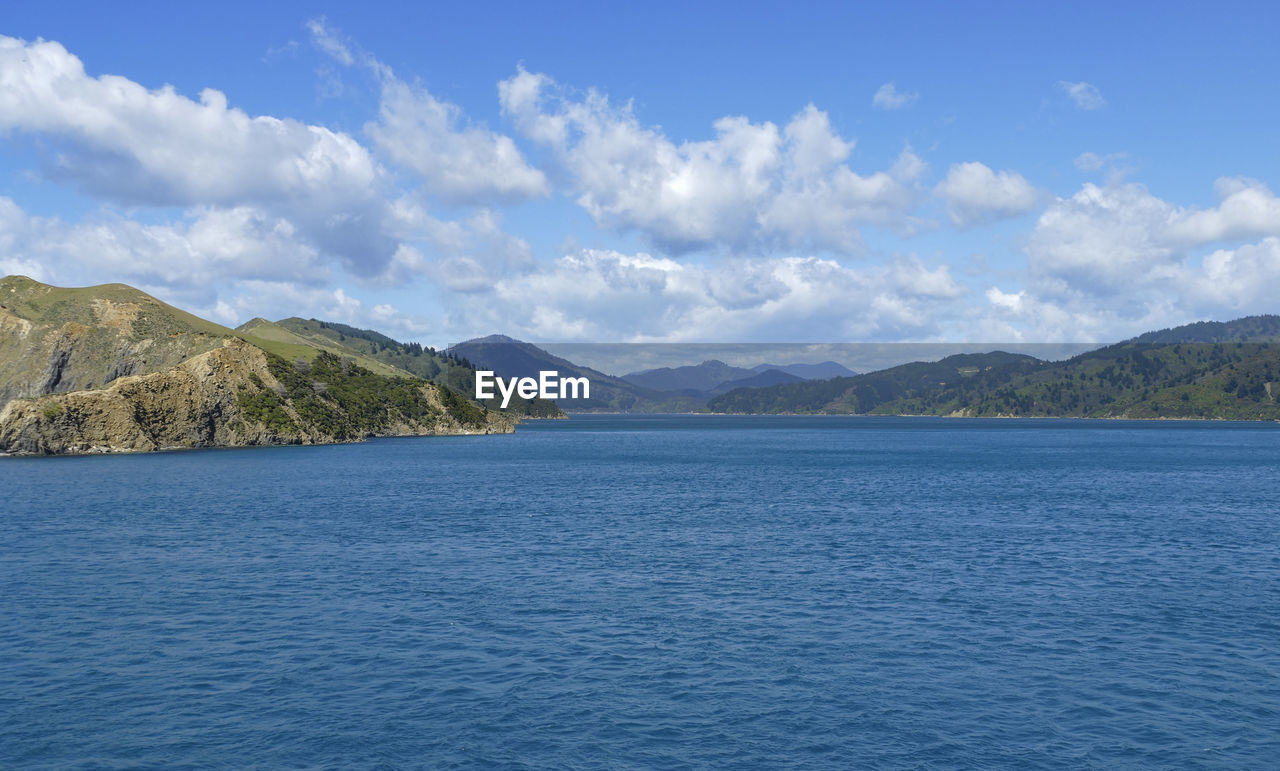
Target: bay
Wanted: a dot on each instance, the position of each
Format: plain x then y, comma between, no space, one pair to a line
653,592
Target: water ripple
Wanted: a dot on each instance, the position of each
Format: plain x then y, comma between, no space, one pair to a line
601,593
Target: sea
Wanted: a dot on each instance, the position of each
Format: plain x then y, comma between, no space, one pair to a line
653,592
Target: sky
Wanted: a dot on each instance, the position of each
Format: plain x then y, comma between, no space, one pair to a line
688,173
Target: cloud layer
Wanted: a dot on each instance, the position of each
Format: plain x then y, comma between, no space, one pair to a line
754,230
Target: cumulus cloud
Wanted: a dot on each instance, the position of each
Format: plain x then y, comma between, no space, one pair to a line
1246,209
118,140
753,187
1242,280
888,97
265,198
1085,95
159,147
475,253
1109,238
195,252
975,194
1116,260
458,161
605,295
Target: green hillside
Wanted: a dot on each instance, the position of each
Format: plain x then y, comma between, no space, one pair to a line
413,358
1166,374
872,392
285,343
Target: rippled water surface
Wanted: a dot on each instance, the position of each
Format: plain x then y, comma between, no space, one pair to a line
653,592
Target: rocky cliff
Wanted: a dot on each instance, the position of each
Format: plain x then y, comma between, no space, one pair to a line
234,396
55,340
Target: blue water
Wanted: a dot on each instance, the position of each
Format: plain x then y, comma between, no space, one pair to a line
653,592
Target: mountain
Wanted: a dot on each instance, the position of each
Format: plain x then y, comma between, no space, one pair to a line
866,393
1235,381
698,378
823,371
714,377
413,358
763,379
508,358
1250,329
1205,370
54,339
111,369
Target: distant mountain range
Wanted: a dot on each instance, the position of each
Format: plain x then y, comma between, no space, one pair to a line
512,358
715,377
666,389
1204,370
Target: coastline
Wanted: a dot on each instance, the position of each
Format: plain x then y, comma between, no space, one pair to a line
1197,419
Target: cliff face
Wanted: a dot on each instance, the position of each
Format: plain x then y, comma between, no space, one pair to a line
231,397
56,340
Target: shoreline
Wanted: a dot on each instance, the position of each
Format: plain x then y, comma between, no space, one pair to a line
962,417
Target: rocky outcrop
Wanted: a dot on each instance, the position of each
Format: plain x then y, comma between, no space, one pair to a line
227,397
55,340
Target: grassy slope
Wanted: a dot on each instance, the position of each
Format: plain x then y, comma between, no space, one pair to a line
284,342
53,306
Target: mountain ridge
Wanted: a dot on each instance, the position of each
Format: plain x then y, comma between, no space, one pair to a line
111,369
1164,374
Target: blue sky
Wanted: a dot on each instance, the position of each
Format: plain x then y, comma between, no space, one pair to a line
746,172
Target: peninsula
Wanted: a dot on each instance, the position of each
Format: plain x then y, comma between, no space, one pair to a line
111,369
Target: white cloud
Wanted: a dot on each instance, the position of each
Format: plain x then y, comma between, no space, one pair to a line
159,147
888,97
1007,300
609,296
1085,95
753,187
1109,239
201,250
225,265
1094,162
265,198
326,40
1114,261
1246,209
1242,280
460,163
120,141
279,299
975,194
475,253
